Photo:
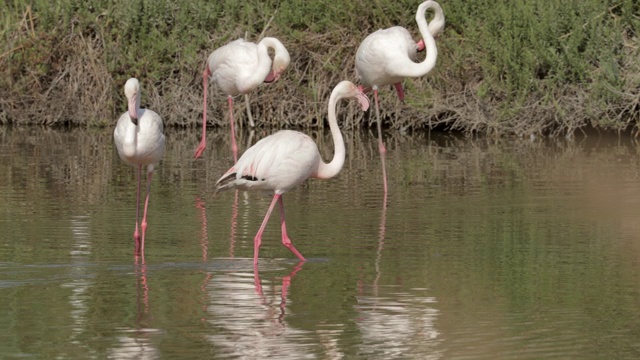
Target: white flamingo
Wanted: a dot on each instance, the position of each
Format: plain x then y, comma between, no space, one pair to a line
287,158
237,68
387,56
140,141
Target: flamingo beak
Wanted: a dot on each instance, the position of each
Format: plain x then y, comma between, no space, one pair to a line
271,77
132,110
363,100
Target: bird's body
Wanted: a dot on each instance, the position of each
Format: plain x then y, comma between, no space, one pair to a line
382,55
237,68
387,56
287,158
277,162
140,142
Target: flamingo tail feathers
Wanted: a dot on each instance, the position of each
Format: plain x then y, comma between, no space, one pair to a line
226,182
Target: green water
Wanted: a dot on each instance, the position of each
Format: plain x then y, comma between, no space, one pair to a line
485,249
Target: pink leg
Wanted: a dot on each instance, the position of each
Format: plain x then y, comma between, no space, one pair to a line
203,140
286,282
257,283
146,206
257,241
399,90
234,147
204,237
384,173
286,241
136,233
383,150
234,225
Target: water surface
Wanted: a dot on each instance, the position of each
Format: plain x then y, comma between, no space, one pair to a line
482,249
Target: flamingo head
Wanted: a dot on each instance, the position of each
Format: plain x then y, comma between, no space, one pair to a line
132,92
350,90
280,63
436,25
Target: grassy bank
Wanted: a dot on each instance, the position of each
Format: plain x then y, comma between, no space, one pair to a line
504,67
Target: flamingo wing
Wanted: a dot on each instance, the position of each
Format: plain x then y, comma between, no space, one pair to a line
151,140
232,64
278,162
382,54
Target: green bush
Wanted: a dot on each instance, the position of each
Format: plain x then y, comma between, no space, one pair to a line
504,67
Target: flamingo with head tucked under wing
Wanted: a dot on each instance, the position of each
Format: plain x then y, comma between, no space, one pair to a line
237,68
387,56
140,141
285,159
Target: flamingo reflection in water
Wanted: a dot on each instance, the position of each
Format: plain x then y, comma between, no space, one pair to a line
250,315
138,342
395,324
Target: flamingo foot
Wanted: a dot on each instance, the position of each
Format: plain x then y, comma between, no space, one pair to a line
257,241
289,245
200,149
257,283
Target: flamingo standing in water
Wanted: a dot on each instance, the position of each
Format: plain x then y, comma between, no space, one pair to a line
140,141
237,68
285,159
387,56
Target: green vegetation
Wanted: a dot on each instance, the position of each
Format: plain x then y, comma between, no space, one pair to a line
504,67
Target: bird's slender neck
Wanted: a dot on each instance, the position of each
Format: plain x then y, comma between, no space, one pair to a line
327,171
134,107
436,25
275,44
420,69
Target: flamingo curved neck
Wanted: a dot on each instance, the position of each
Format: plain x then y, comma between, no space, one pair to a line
130,140
420,69
275,44
436,25
260,73
281,58
326,171
134,107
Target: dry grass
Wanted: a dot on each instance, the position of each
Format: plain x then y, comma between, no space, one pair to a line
69,67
